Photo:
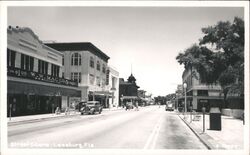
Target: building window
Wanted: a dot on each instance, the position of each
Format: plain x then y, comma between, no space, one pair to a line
91,62
42,67
103,68
76,76
202,93
62,74
27,62
107,77
98,81
76,59
11,57
103,82
54,70
91,79
98,66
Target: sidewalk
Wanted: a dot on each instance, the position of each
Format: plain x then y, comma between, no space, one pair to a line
36,118
231,135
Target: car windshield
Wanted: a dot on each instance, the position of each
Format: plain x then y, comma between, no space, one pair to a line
90,103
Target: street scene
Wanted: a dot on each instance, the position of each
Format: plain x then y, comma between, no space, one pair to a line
140,78
148,128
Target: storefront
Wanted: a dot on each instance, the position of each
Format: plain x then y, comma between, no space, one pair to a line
35,84
101,96
37,98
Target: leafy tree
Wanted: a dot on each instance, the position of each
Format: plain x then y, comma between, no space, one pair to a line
229,40
219,57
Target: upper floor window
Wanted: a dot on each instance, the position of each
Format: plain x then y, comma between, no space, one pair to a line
98,66
11,57
107,77
103,82
103,68
54,70
91,79
76,76
98,81
91,62
76,59
27,62
42,67
202,93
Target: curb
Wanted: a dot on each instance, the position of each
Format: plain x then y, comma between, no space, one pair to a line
39,119
204,138
10,123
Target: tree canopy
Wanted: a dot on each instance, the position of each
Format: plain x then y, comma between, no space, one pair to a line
219,57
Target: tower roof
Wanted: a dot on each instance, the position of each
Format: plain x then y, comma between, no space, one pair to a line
131,78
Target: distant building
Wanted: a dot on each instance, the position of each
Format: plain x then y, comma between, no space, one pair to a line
199,94
113,86
128,90
34,75
142,97
88,66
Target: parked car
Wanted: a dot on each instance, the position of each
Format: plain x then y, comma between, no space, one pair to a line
91,107
169,106
129,105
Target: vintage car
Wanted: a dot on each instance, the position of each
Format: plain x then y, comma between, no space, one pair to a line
129,105
169,106
91,107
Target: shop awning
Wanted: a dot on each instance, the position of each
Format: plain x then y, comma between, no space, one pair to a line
201,97
100,93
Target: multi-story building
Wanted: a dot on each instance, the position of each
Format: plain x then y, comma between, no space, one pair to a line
87,65
34,75
128,90
199,94
113,86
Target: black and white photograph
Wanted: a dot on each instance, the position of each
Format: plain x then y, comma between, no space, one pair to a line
125,77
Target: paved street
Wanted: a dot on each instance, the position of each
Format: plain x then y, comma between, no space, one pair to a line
149,128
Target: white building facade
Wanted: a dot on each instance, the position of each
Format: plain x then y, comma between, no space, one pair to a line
34,71
113,86
199,94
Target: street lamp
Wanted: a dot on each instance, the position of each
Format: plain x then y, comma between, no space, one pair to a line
185,92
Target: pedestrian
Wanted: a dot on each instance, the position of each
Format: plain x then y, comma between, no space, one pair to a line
136,106
67,111
57,110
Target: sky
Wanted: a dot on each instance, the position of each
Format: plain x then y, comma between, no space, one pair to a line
141,40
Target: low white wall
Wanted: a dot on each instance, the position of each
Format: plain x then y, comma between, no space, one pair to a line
237,113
